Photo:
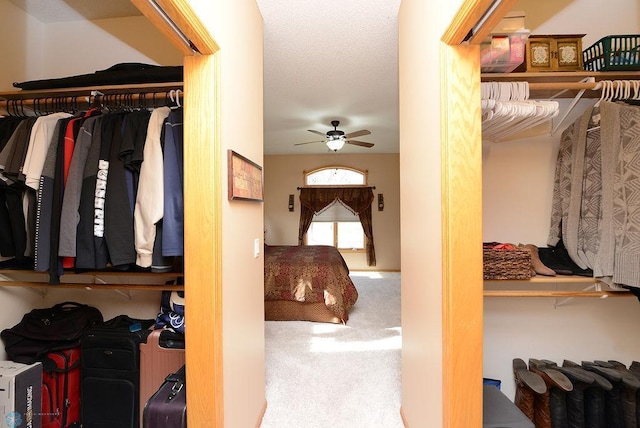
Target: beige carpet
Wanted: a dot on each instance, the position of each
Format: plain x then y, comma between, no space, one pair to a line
335,376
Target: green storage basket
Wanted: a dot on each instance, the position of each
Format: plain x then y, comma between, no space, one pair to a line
613,53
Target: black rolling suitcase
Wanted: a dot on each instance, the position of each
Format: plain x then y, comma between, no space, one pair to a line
167,407
110,379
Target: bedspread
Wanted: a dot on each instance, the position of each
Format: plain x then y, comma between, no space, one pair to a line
309,273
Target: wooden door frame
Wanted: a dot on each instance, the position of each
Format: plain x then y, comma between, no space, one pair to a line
203,179
461,162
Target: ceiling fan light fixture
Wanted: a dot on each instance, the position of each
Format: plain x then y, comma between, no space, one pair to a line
336,144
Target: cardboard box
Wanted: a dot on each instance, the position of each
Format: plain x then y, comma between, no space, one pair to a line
20,394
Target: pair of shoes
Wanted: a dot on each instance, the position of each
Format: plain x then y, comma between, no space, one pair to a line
551,408
630,384
549,257
528,385
538,266
562,253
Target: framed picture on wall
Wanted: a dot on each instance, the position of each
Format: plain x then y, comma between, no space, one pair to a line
245,178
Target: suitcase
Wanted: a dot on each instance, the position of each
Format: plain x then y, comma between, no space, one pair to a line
167,408
61,389
161,355
110,375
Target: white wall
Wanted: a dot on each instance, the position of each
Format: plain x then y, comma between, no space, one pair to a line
518,187
421,25
21,37
88,46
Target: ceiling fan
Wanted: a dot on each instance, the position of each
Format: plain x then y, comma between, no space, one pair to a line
336,139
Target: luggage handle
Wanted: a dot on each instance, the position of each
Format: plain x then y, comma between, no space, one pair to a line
67,306
175,389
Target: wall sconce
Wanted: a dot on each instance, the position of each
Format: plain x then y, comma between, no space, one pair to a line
290,203
380,202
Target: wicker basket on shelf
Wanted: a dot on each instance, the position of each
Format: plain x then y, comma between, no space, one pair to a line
507,264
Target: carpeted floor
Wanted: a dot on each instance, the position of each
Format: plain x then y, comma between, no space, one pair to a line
335,376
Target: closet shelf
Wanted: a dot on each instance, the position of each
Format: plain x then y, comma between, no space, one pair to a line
547,84
87,90
552,293
93,280
540,286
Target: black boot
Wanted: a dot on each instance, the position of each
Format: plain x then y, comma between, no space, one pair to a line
594,398
581,380
528,385
614,412
629,392
550,408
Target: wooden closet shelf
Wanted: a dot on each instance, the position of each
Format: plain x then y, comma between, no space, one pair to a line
96,286
560,76
554,293
93,280
548,84
576,279
86,91
594,287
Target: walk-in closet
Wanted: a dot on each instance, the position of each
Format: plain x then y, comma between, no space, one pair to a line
579,319
42,42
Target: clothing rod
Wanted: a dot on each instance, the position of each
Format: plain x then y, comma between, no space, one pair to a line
52,101
315,187
558,86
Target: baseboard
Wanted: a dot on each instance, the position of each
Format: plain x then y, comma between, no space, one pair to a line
264,410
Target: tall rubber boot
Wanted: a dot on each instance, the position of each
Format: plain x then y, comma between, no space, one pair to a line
575,400
594,399
634,368
528,385
614,412
629,392
553,379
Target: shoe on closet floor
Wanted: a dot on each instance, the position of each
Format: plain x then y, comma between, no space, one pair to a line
528,385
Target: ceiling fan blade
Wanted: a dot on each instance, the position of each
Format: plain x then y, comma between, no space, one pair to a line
317,132
308,142
357,133
359,143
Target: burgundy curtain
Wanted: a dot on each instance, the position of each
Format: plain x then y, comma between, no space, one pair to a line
357,199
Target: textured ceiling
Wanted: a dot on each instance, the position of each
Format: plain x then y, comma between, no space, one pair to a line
326,60
323,60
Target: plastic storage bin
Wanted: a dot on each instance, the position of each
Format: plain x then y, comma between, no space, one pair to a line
503,52
613,53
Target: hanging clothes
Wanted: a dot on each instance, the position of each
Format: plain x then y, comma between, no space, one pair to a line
596,201
89,180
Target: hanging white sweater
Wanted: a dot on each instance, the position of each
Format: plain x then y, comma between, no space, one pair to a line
150,198
39,142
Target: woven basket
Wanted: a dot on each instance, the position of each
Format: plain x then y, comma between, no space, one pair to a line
507,264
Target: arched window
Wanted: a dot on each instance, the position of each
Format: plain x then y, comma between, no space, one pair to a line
335,176
336,225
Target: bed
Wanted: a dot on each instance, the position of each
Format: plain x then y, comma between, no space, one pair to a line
307,283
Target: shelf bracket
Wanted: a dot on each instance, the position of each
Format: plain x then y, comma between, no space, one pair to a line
596,286
39,291
126,294
573,103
